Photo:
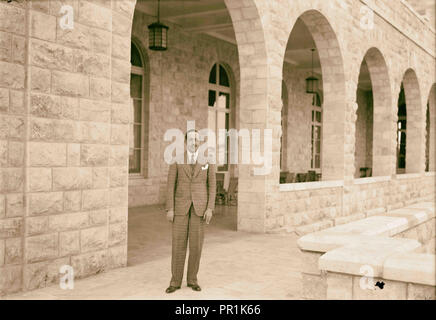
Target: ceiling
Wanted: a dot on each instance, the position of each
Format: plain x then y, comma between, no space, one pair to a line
211,17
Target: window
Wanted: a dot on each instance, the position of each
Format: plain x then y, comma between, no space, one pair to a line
427,138
401,133
136,93
284,124
219,96
316,132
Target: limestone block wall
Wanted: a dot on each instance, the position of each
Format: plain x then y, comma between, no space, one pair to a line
12,143
177,92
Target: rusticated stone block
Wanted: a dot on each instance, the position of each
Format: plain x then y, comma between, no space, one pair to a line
93,132
94,110
36,225
118,215
93,239
314,286
11,75
420,292
118,177
10,278
73,155
15,205
13,251
120,134
2,206
68,221
43,26
40,179
119,156
2,252
11,228
45,203
92,63
120,113
70,84
54,130
42,154
41,274
117,234
89,263
100,89
75,178
98,217
40,80
52,56
95,199
94,155
72,201
69,243
117,257
16,154
93,15
42,247
100,178
12,19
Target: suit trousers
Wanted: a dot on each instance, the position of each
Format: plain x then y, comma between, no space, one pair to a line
187,227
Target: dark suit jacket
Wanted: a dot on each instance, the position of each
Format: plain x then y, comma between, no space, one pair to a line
184,189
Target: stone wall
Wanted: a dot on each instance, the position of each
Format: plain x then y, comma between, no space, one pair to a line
12,143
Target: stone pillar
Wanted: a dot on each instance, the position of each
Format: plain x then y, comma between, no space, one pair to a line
74,83
13,60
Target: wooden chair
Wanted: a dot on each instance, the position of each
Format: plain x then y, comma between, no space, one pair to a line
290,177
231,197
283,176
311,176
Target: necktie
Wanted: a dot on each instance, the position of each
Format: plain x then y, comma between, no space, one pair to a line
192,164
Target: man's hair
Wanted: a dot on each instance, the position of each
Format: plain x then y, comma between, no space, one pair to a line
190,130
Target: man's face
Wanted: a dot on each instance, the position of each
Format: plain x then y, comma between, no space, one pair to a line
193,141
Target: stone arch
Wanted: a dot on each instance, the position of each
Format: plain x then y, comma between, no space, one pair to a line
334,93
415,124
253,95
432,128
383,124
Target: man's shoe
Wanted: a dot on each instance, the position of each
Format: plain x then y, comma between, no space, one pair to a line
171,289
194,287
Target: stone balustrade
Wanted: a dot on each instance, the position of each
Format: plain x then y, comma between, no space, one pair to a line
385,256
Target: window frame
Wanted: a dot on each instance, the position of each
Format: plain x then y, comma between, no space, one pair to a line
140,71
217,88
313,123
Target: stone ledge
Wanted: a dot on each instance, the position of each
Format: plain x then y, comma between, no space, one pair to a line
411,267
384,224
371,180
310,185
372,251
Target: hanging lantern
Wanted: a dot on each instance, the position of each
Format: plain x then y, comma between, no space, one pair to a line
312,81
158,34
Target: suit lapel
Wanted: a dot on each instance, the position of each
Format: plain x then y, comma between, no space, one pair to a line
186,167
196,169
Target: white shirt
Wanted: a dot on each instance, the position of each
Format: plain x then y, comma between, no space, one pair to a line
190,156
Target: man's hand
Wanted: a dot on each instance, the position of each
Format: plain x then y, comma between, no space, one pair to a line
207,215
170,215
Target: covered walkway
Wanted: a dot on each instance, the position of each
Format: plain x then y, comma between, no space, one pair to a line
235,265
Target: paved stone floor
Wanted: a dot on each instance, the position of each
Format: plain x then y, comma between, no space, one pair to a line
234,265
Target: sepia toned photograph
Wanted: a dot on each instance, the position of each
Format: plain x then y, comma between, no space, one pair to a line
225,150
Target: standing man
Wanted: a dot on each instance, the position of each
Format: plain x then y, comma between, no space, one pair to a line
190,203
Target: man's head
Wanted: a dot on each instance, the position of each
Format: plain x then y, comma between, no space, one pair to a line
192,140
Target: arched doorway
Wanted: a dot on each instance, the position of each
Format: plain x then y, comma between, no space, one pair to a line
373,147
410,123
315,121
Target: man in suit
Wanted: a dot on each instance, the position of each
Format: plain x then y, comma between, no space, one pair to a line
190,203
